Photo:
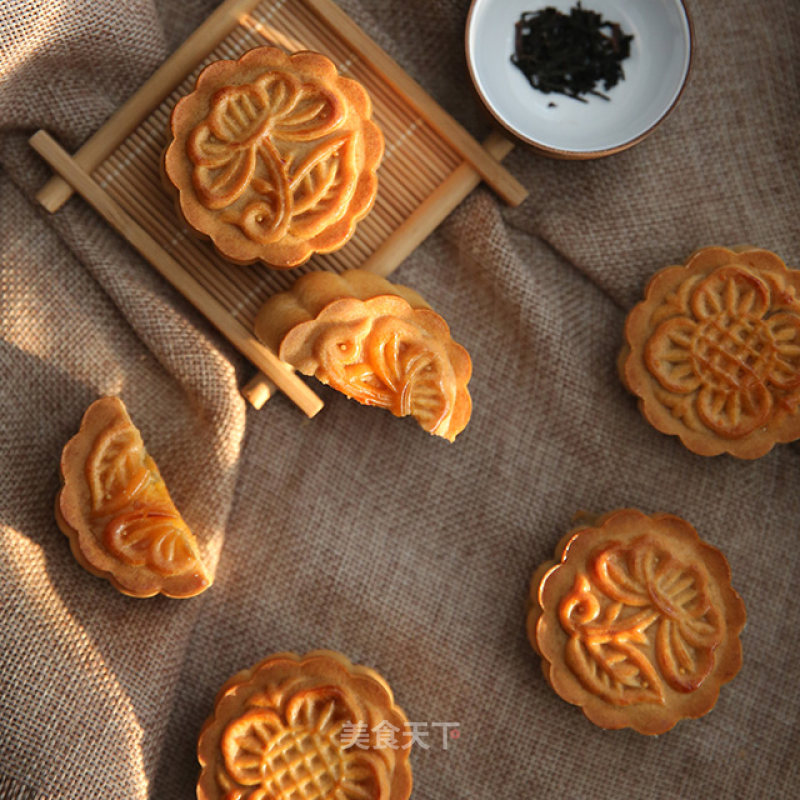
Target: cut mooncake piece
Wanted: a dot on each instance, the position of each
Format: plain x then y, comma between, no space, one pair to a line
273,156
713,352
315,727
376,342
116,511
636,621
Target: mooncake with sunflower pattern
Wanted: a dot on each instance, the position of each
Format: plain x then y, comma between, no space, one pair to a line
376,342
273,157
305,728
713,352
636,621
117,513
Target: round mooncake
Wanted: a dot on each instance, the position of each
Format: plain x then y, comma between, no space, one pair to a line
273,156
636,621
304,728
713,352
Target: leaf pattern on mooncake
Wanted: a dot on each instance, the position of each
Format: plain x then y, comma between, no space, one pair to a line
116,469
154,536
382,352
274,156
117,512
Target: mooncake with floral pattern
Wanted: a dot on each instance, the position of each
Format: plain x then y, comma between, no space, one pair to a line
273,156
376,342
117,513
304,728
636,621
713,352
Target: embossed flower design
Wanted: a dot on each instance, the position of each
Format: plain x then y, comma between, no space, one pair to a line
243,151
115,508
144,528
274,156
730,354
278,733
300,752
634,597
713,352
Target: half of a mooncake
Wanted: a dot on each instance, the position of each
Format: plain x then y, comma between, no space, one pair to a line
378,343
115,509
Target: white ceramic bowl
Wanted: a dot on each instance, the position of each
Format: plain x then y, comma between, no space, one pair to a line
655,74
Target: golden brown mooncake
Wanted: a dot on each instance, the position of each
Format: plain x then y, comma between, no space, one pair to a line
713,352
116,511
304,728
376,342
636,621
273,156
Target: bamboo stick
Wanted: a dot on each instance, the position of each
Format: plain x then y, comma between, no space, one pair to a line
427,216
258,390
282,375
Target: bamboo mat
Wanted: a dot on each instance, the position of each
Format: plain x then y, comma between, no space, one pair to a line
430,164
416,161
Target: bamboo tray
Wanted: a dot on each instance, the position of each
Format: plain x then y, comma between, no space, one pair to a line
430,164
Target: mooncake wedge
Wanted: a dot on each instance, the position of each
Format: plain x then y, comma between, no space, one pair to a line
117,513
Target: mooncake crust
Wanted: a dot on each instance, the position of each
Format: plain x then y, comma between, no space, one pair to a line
636,621
115,510
287,725
398,348
273,157
713,352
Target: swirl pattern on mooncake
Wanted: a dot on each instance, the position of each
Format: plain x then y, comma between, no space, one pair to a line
713,352
285,729
116,511
636,621
273,156
377,343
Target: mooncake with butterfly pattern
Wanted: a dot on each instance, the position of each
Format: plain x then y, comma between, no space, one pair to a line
636,620
117,513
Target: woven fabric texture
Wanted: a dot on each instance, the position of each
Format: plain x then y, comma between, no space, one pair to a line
356,531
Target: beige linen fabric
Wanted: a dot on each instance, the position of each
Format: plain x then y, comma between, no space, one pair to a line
356,531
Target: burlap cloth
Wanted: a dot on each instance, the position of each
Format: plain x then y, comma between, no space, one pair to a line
356,531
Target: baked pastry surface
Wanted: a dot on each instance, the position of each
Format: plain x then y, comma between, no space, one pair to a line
376,342
305,728
115,509
636,621
273,156
713,352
